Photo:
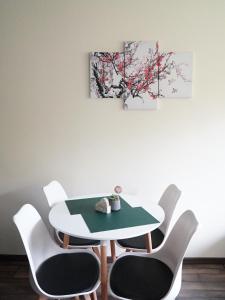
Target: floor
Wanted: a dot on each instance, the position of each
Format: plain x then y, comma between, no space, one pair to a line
200,281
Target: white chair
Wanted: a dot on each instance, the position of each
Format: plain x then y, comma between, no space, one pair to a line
168,202
158,275
55,193
55,272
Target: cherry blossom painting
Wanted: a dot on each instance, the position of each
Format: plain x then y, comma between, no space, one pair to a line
106,73
141,75
177,81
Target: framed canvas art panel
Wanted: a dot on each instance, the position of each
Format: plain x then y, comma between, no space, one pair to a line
141,75
178,81
106,73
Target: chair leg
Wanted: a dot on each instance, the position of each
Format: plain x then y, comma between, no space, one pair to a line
87,297
94,296
96,251
76,298
113,250
148,242
66,240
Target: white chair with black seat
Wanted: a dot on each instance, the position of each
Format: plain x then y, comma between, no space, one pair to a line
55,272
158,275
168,202
55,193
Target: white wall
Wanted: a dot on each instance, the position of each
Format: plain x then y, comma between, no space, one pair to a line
49,128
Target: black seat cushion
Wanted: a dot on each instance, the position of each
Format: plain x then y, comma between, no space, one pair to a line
138,242
71,273
75,241
140,278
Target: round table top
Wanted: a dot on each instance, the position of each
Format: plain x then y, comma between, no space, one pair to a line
74,225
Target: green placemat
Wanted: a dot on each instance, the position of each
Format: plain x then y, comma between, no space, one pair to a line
80,206
126,217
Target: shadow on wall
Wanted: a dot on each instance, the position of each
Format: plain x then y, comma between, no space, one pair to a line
10,241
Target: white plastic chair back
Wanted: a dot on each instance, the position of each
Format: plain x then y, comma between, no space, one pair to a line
177,242
36,239
54,193
175,247
168,202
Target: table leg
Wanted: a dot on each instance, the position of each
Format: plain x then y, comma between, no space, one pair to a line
66,240
148,242
113,250
104,291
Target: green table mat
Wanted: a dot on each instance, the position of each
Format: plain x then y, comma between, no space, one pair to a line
96,221
123,218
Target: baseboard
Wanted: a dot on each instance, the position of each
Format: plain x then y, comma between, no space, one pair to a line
204,260
187,260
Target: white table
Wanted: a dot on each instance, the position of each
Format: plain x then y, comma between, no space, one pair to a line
74,225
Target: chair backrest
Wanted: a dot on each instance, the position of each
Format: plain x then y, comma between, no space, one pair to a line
168,202
54,193
177,242
37,241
